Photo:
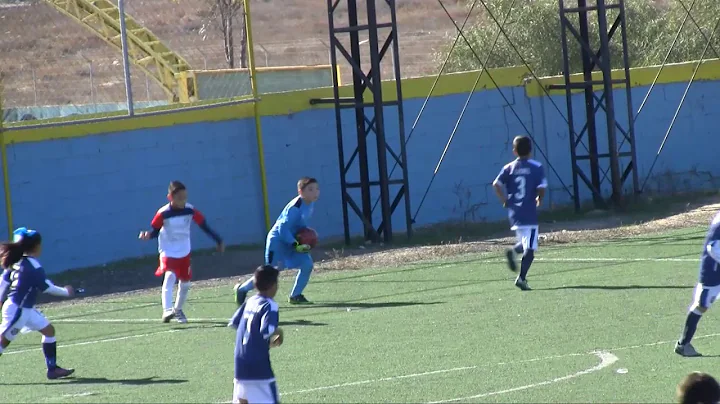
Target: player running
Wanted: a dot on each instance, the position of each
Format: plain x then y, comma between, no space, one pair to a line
706,290
171,226
257,327
524,185
25,278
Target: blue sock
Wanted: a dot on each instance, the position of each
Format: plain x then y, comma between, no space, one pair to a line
247,285
690,327
50,351
518,248
302,279
527,260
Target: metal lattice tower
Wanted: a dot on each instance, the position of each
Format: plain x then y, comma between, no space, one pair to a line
622,157
368,83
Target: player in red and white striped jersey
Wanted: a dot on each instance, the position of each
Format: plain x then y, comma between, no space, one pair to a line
171,226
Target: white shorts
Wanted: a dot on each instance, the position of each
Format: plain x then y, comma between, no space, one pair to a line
527,236
705,295
15,318
255,391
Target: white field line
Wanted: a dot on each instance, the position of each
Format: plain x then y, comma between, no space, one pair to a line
466,368
91,312
611,259
130,320
606,359
93,342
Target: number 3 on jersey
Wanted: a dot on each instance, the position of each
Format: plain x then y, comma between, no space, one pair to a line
520,194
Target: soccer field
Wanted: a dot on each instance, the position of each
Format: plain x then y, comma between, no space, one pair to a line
599,326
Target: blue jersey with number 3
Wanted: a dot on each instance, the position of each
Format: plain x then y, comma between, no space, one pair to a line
256,321
522,178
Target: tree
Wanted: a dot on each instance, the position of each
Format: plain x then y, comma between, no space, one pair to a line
228,13
534,29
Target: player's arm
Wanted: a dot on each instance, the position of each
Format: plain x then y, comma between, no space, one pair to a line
293,220
499,186
4,284
235,319
713,250
46,286
156,225
269,322
542,186
199,218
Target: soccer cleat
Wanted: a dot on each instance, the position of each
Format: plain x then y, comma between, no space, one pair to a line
686,350
59,372
240,295
299,299
522,284
510,254
180,316
168,315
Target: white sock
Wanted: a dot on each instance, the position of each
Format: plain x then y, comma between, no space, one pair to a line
167,291
48,340
182,294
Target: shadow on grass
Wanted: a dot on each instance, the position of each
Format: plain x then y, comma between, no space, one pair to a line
303,323
616,287
153,380
379,305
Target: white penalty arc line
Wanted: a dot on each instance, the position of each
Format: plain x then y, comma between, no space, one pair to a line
465,368
457,369
606,359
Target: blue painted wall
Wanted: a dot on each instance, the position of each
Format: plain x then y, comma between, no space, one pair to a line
91,196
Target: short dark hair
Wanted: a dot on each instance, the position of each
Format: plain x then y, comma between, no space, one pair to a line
697,388
305,181
265,277
175,187
522,145
11,253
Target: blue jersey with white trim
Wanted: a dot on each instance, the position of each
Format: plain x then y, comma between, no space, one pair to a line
522,178
27,279
293,218
256,320
709,268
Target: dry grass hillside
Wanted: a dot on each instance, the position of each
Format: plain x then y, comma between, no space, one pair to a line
48,59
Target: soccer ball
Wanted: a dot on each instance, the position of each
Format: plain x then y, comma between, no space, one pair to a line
277,338
307,236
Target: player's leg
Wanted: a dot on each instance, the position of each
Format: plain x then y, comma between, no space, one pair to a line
528,237
38,322
304,263
168,287
274,253
512,253
183,272
703,298
14,319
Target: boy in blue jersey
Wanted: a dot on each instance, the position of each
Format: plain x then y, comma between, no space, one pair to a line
281,246
25,278
257,327
524,186
706,290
